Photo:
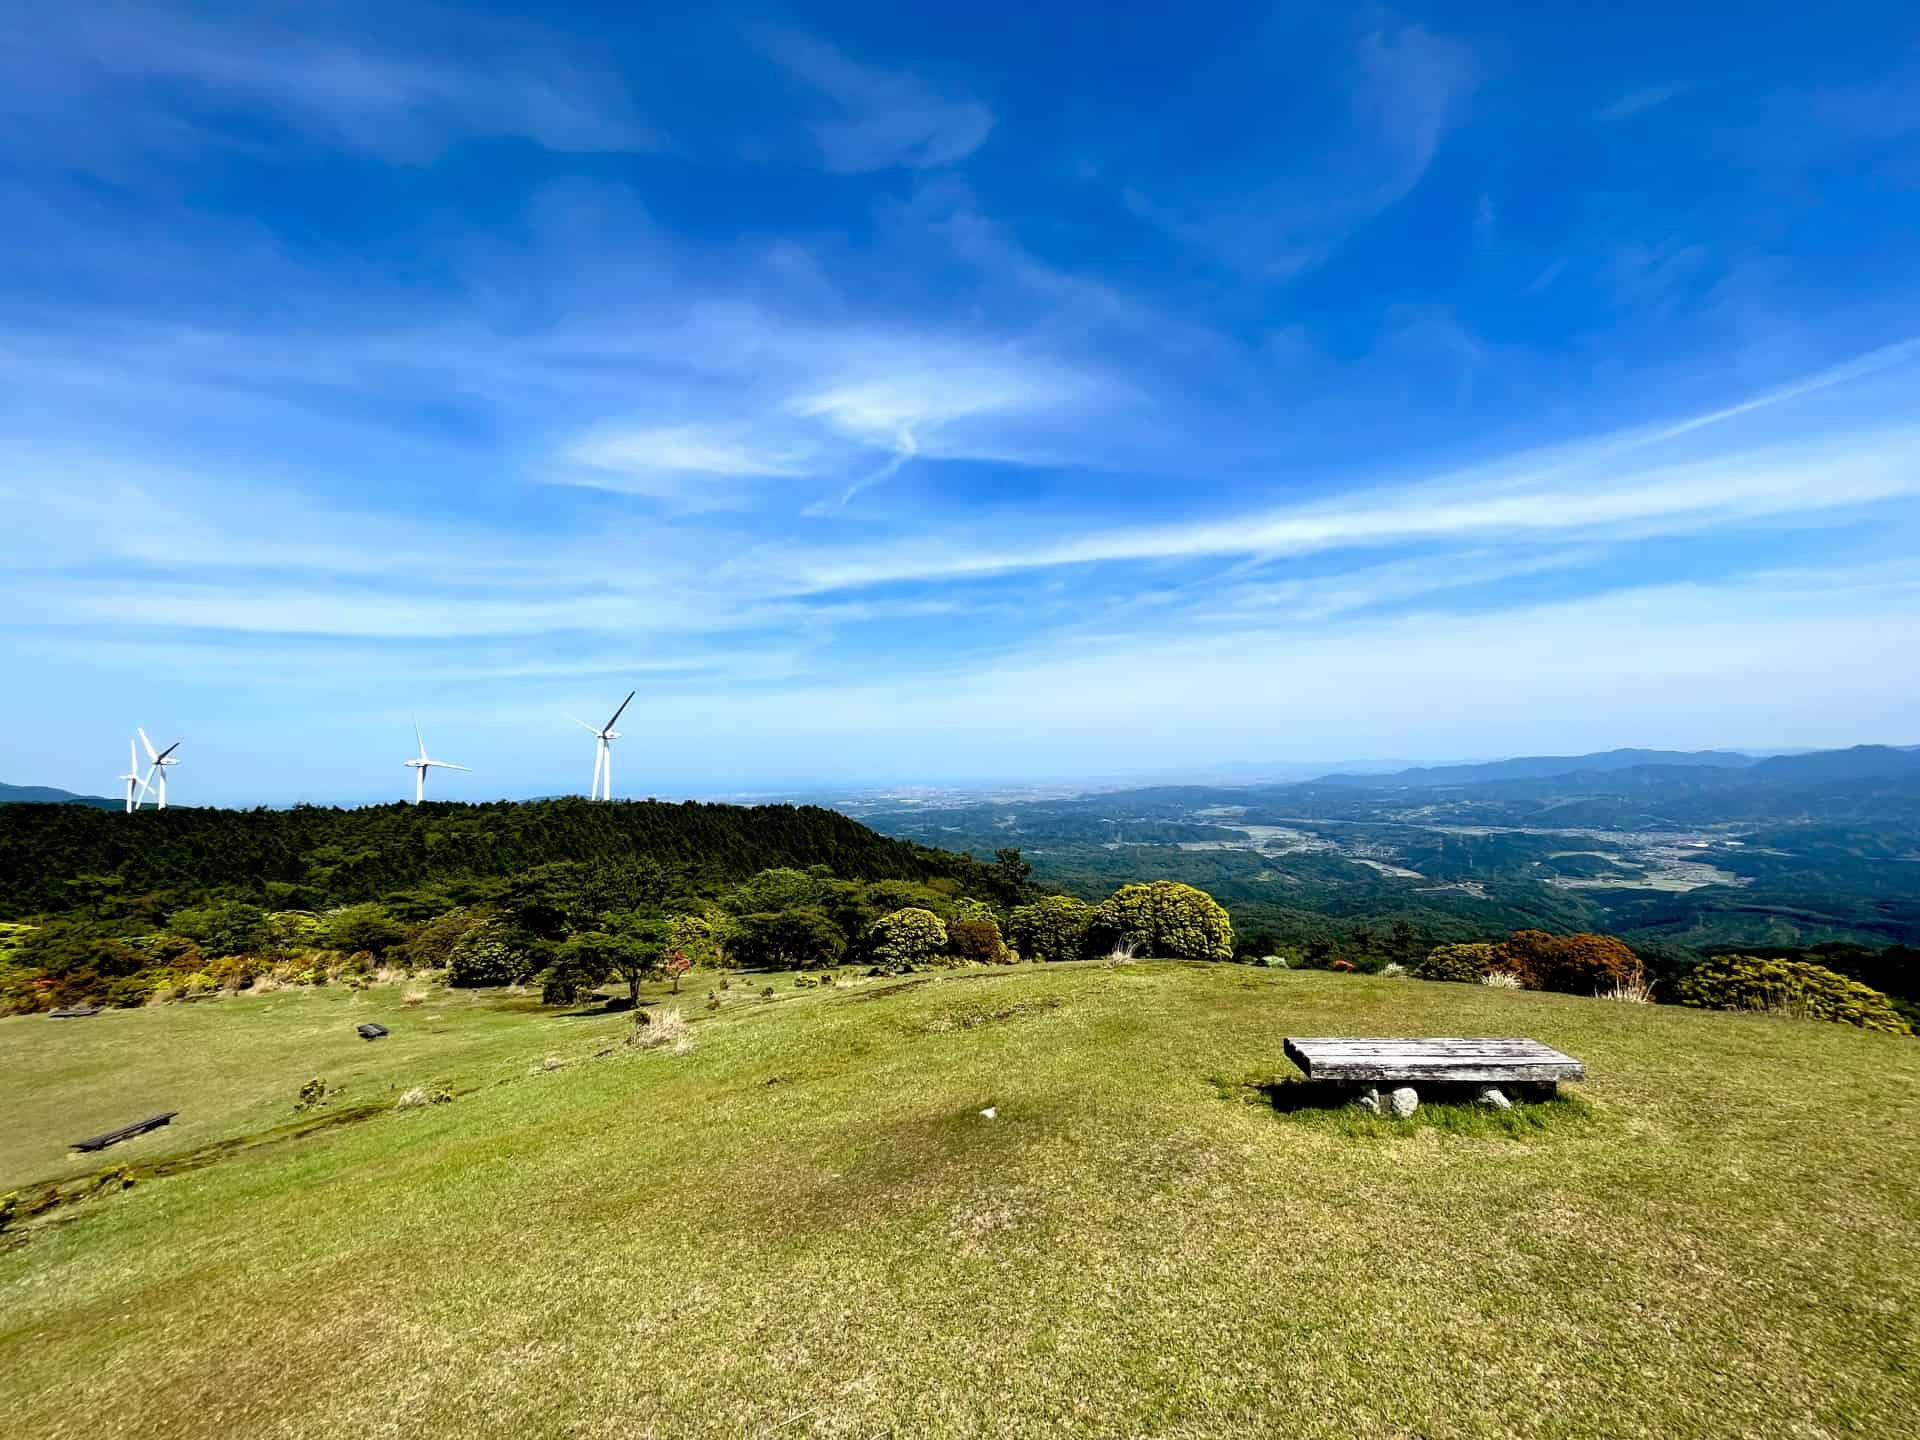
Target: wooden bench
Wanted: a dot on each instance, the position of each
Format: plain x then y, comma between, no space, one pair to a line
74,1012
138,1127
372,1030
1482,1062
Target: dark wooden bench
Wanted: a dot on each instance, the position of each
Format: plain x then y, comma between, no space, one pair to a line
1483,1063
74,1012
138,1127
371,1031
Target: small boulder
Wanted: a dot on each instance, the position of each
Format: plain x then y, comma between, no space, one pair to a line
1490,1096
1404,1100
1368,1099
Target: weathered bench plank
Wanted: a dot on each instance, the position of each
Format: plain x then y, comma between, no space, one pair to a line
1468,1059
74,1012
372,1030
125,1132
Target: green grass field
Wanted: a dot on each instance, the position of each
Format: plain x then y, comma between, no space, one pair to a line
806,1228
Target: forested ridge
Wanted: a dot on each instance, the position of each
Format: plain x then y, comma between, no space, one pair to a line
314,856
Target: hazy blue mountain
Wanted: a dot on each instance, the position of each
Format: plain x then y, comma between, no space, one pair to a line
1536,767
1862,762
47,795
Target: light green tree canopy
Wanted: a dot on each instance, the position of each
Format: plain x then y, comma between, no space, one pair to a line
906,938
1052,928
1166,919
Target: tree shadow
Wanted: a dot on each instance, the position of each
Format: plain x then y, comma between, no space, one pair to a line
597,1007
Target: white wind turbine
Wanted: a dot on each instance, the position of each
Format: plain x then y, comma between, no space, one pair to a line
603,750
157,770
132,777
422,764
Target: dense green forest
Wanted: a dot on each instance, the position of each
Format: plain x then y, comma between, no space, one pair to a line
569,894
56,858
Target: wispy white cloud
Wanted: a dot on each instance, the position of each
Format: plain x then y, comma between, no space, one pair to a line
1680,659
1638,102
163,77
678,462
886,119
1563,499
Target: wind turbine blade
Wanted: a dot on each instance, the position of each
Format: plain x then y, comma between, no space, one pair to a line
447,765
581,723
623,705
421,739
148,743
145,785
168,751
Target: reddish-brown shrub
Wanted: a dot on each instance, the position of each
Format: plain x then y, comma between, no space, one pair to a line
1345,967
1582,964
976,941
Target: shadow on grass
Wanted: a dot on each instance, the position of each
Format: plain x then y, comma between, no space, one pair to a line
125,1173
1450,1109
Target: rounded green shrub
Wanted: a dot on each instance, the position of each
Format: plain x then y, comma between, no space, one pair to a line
906,938
1788,987
1164,918
1052,928
485,955
1465,963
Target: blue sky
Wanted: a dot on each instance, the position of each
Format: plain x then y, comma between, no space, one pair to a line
899,394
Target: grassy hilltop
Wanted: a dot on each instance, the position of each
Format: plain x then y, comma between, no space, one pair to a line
805,1227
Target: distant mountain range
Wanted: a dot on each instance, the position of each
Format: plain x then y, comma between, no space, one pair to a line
47,795
1629,767
1858,763
1539,767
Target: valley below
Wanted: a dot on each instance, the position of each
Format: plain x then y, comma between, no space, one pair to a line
1787,851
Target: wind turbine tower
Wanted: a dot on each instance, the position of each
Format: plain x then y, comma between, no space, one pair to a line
161,760
421,764
132,777
603,739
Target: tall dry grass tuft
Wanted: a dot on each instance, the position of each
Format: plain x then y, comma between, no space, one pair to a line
1500,980
1629,992
1789,1006
1122,953
667,1031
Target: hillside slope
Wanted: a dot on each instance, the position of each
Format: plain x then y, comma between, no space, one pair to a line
806,1227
